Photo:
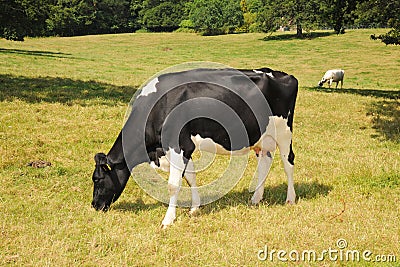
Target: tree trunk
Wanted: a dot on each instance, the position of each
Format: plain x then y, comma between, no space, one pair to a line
299,33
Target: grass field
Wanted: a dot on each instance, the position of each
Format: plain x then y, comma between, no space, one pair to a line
64,99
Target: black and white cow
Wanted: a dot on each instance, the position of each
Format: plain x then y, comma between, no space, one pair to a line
262,99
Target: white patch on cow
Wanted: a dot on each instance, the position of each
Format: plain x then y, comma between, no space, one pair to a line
276,131
208,145
153,165
258,71
277,134
164,164
279,130
149,88
263,167
268,73
284,139
190,175
174,185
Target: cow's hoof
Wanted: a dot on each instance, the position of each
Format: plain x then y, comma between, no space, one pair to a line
194,211
290,202
166,223
255,200
164,226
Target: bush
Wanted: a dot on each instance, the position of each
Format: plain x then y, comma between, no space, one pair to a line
216,16
392,37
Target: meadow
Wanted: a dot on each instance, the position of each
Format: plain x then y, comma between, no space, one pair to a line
64,99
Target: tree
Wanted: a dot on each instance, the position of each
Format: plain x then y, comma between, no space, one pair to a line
377,13
112,16
304,14
216,16
393,36
384,13
162,15
69,18
20,18
80,17
250,9
135,8
337,13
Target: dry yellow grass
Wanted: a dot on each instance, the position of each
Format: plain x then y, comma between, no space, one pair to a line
64,99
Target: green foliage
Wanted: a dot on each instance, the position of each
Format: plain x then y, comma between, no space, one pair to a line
216,16
161,16
186,26
390,16
267,18
377,13
250,9
302,14
81,17
392,37
20,18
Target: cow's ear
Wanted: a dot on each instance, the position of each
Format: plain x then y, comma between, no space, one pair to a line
100,159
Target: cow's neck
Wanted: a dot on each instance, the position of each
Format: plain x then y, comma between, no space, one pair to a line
116,160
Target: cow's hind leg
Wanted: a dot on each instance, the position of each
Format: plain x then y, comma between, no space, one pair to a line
190,176
264,163
177,167
284,140
287,157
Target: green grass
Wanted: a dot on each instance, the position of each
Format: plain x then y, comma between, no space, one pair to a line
64,99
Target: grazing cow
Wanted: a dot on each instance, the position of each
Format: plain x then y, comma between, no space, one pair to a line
263,117
333,76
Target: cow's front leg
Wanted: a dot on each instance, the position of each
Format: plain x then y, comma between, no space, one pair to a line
263,166
330,82
174,185
190,175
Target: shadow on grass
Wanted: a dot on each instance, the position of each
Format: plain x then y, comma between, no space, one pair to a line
273,195
385,118
135,207
293,36
391,94
35,53
385,113
62,90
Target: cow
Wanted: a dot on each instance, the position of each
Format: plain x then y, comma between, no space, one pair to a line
262,102
332,76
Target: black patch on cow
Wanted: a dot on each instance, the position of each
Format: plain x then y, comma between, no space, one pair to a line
149,119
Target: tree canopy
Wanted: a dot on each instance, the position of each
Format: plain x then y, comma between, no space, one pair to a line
20,18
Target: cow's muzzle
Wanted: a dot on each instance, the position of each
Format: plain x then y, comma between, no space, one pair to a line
102,207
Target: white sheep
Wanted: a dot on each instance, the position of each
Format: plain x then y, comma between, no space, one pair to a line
333,76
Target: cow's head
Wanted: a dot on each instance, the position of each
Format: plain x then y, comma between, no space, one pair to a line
107,187
321,82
